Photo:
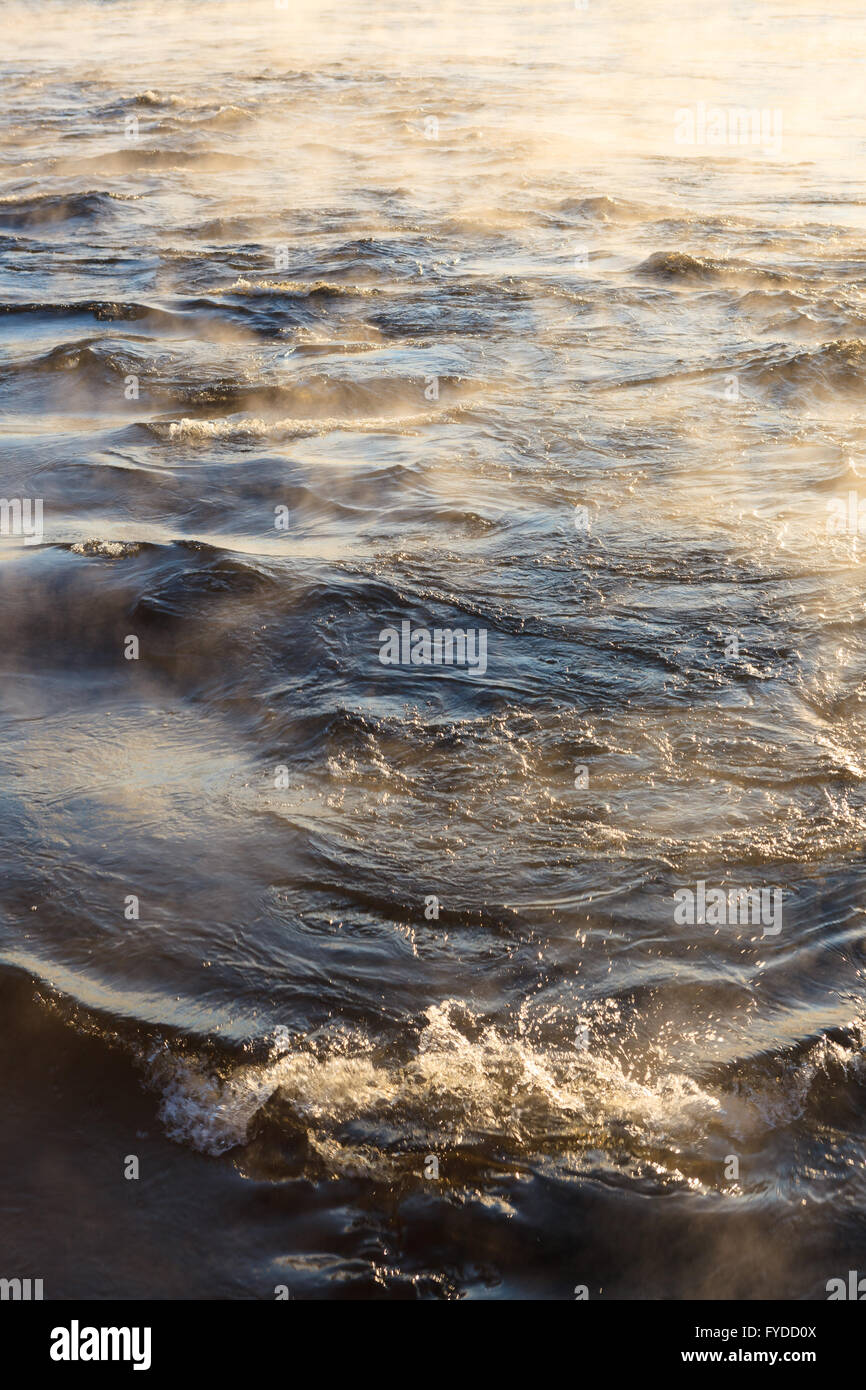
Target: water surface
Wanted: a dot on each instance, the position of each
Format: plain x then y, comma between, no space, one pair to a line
446,289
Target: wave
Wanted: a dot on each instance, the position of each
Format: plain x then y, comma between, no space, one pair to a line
152,98
602,207
222,229
147,157
104,310
458,1084
681,266
100,360
110,550
313,398
189,112
39,209
303,289
328,397
837,366
256,428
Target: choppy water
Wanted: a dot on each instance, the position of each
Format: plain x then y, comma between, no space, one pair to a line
446,287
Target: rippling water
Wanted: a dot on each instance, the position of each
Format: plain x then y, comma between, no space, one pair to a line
319,321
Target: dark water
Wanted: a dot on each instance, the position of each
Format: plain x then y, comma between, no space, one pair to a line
536,371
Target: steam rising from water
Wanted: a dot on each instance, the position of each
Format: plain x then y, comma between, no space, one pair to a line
436,282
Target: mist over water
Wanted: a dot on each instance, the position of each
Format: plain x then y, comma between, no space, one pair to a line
319,321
